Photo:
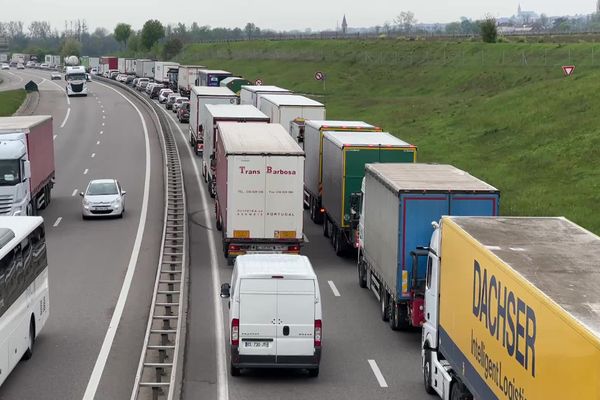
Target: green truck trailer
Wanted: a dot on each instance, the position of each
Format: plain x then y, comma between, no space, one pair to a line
345,155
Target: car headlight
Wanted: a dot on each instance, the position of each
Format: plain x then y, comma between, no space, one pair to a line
116,203
86,202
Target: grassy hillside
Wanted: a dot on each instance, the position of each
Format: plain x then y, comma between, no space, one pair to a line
10,101
503,112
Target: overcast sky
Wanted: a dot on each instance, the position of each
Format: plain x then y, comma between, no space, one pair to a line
278,15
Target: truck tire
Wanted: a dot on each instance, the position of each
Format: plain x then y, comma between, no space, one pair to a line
385,305
458,391
402,315
427,372
313,372
30,341
394,315
362,274
338,245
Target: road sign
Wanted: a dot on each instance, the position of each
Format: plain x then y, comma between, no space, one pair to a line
258,82
568,70
319,76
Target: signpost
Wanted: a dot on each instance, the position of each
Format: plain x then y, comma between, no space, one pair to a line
258,82
568,70
320,76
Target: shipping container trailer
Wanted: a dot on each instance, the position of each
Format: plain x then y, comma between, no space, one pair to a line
199,97
286,109
258,205
161,70
249,94
345,155
186,78
313,147
212,114
211,77
396,207
512,310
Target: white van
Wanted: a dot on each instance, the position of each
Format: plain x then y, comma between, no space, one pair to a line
274,313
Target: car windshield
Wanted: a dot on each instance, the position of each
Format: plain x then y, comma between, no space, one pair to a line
102,188
10,172
75,77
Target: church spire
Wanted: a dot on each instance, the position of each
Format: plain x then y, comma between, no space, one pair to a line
345,24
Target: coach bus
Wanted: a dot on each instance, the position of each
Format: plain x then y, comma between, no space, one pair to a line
24,304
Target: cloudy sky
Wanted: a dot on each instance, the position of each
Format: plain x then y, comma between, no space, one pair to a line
279,15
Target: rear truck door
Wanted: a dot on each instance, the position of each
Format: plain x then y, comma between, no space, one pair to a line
246,202
258,318
483,204
417,211
283,197
295,318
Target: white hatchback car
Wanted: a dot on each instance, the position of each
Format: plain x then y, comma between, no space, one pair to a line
103,198
163,95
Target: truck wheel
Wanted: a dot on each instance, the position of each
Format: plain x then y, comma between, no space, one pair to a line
313,372
394,315
427,372
362,274
385,308
402,313
30,341
458,391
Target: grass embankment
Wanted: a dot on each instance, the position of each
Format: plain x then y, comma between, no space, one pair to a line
503,112
10,101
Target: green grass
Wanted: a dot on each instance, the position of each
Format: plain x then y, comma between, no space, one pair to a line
10,101
503,112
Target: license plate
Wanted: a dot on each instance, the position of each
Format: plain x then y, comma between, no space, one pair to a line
102,208
256,344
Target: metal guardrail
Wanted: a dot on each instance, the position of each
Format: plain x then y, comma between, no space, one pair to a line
159,369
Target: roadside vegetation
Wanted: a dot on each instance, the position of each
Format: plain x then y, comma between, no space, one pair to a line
10,101
504,112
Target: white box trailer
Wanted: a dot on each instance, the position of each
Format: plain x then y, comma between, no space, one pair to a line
186,78
214,113
121,65
94,62
161,68
129,66
288,108
144,68
250,94
259,173
199,97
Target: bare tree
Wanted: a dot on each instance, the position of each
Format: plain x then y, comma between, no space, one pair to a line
40,30
405,21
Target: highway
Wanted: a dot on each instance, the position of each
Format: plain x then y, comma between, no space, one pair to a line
96,137
362,357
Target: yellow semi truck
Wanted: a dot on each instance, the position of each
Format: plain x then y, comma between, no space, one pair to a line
512,308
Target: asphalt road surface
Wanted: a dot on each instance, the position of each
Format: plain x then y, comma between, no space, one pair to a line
362,357
97,136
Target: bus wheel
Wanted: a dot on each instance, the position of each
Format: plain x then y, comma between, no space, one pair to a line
30,341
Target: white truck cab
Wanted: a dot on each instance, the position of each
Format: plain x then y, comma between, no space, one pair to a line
274,313
76,80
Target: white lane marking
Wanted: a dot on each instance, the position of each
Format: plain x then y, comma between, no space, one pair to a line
336,293
378,374
102,132
92,386
222,374
66,117
93,155
98,142
18,76
57,222
54,137
74,193
103,124
102,110
104,117
86,171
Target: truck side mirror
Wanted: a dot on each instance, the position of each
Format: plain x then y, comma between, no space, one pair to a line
225,290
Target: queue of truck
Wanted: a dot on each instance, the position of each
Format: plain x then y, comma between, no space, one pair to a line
507,306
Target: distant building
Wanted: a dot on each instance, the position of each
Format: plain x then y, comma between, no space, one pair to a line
345,25
526,17
598,6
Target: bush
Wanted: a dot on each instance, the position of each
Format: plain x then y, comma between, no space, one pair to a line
489,32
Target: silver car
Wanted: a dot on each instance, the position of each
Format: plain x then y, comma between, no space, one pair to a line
103,198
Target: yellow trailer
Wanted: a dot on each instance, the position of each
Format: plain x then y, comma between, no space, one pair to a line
512,310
